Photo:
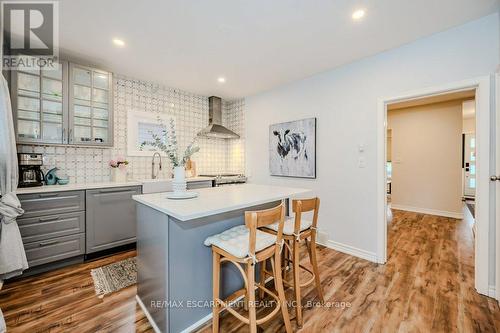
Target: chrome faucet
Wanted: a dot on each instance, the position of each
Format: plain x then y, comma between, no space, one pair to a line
153,176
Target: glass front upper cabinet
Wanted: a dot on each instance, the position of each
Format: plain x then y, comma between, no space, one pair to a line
40,104
90,106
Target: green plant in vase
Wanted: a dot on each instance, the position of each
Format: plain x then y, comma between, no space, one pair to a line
167,143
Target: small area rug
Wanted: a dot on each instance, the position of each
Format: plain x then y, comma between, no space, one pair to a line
115,276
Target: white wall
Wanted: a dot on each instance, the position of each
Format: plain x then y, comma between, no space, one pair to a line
427,158
345,102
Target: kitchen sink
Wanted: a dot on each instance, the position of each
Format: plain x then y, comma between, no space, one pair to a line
156,185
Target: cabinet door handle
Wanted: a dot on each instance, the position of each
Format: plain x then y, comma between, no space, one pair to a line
70,137
48,219
48,195
48,243
64,139
116,191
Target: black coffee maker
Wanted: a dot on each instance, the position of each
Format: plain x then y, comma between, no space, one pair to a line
30,172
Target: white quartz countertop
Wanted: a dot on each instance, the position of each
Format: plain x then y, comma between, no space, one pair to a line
91,186
216,200
75,187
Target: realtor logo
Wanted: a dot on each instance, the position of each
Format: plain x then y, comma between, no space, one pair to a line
30,34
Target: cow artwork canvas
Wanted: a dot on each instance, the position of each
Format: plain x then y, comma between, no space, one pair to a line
292,148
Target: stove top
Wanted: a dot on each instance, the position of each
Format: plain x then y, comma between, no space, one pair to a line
227,178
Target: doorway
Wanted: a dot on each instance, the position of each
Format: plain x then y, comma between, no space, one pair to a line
481,90
426,158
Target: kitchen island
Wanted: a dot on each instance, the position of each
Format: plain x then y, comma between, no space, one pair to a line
174,282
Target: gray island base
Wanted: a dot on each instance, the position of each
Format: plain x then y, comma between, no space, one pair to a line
174,282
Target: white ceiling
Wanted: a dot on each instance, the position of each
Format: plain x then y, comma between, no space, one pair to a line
255,44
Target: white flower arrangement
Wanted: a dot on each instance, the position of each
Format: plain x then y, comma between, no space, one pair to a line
167,143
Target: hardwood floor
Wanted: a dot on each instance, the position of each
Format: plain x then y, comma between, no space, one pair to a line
426,286
64,301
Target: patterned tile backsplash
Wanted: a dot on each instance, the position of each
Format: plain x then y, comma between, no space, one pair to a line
88,165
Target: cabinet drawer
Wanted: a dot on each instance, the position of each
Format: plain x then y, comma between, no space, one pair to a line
52,203
51,226
54,249
200,184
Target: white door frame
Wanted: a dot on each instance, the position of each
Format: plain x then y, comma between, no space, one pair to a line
482,87
497,238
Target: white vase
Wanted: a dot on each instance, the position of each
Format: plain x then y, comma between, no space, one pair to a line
119,175
179,183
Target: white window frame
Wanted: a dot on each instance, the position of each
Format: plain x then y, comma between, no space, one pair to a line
135,117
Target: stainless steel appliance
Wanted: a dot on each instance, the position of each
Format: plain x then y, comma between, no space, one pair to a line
30,172
227,178
215,129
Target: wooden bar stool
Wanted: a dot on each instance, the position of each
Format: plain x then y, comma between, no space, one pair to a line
294,231
245,246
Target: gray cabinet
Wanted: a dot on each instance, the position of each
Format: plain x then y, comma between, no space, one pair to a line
193,185
110,218
69,105
90,106
54,249
40,104
40,204
52,226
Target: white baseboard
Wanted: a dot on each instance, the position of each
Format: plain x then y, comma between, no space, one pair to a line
455,215
347,249
198,324
189,329
194,326
148,315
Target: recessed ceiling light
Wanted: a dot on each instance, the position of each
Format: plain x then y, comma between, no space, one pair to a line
221,79
118,42
358,14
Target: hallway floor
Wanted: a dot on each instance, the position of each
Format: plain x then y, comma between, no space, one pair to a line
427,285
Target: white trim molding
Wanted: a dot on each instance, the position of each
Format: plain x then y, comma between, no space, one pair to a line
148,315
481,86
496,186
492,292
454,215
347,249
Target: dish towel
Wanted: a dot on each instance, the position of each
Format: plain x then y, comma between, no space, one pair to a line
12,256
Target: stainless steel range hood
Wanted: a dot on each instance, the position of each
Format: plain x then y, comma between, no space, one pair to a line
215,128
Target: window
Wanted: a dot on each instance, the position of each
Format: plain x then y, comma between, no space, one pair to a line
145,131
389,170
140,127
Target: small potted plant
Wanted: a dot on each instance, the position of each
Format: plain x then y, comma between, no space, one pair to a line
167,143
119,169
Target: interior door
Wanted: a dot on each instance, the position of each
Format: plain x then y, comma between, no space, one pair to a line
469,165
